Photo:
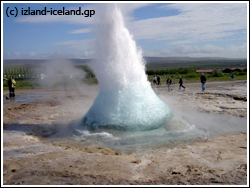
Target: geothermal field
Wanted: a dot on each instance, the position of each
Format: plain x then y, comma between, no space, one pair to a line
43,145
124,130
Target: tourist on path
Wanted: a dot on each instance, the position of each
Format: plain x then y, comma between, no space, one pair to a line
154,80
232,77
169,82
158,80
181,82
11,85
203,81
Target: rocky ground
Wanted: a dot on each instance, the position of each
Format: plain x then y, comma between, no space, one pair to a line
31,158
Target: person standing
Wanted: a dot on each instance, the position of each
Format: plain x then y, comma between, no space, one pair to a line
169,82
154,80
13,87
158,80
232,76
10,87
203,81
181,82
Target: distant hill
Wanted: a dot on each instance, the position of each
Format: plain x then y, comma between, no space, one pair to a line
38,62
151,62
190,59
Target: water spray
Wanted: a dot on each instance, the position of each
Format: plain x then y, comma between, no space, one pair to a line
126,100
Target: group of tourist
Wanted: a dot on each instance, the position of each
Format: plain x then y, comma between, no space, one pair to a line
157,81
203,80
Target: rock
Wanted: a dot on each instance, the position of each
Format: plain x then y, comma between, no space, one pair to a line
180,170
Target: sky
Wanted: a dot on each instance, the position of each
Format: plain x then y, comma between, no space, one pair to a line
161,29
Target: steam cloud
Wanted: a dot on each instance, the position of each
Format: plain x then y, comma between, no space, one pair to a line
62,73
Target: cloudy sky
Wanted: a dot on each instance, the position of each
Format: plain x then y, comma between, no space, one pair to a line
163,29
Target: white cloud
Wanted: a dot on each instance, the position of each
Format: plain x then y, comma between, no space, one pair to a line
231,51
195,22
237,49
77,31
89,53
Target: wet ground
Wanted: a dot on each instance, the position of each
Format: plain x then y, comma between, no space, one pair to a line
32,157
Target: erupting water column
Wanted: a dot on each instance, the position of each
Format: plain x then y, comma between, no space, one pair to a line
126,100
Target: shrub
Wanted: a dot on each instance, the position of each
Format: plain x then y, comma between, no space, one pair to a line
216,73
191,75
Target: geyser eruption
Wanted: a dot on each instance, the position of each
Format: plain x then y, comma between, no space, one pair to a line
126,100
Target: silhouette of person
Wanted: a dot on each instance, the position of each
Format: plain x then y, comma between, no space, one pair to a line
203,81
181,82
158,80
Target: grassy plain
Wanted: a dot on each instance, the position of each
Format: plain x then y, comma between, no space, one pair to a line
163,69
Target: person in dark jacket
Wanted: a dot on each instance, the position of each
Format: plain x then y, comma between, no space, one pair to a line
158,80
203,81
181,82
